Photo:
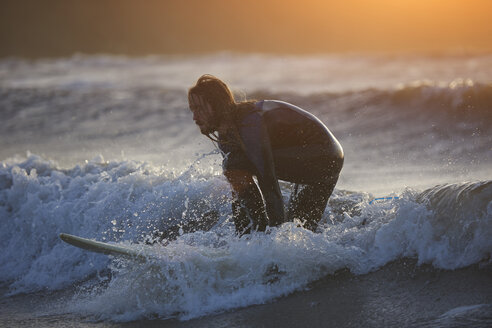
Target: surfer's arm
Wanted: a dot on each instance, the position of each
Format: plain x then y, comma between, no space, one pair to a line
257,147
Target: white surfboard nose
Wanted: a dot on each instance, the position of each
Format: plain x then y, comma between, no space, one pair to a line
104,248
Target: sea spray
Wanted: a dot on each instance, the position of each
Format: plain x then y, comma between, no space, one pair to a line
109,201
407,124
208,271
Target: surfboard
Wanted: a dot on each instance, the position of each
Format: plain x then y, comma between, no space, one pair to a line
103,248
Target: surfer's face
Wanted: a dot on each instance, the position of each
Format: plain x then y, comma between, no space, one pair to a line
203,114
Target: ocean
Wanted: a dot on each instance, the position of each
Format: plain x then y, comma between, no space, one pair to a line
104,147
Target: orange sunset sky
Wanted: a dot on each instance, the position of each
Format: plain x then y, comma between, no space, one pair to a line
45,28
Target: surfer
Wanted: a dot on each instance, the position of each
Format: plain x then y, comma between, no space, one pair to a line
271,140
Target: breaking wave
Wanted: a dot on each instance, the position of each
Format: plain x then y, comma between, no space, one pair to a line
195,273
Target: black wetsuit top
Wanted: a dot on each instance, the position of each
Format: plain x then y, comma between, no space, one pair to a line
282,141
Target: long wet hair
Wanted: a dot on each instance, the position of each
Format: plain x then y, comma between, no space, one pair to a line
226,111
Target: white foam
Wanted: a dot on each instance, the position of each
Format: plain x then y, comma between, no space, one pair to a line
205,272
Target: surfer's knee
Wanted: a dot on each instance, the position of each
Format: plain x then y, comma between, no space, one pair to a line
240,180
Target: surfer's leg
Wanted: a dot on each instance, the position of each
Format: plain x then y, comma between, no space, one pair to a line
308,202
316,181
248,209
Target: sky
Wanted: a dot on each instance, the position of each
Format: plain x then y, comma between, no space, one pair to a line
52,28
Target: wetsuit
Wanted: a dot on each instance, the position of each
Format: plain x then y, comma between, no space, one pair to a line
281,141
